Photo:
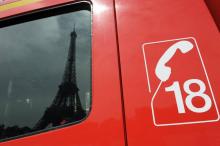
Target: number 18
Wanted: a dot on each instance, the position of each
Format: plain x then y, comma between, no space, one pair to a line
175,87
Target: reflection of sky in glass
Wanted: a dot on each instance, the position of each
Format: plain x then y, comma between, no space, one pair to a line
32,61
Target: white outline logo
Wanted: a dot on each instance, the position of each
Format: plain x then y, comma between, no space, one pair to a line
158,87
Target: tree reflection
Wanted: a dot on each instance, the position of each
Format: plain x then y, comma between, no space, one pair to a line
6,132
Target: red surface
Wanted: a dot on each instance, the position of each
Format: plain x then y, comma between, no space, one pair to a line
3,2
104,126
150,21
138,22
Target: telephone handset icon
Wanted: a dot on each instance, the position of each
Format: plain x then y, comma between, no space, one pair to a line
162,71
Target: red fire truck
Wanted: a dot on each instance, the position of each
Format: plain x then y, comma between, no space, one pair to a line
109,72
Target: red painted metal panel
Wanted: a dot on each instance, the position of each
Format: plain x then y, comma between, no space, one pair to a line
3,2
104,126
31,7
151,26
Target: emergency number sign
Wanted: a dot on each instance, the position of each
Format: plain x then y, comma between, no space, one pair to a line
178,83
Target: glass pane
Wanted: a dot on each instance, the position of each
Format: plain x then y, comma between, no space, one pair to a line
45,73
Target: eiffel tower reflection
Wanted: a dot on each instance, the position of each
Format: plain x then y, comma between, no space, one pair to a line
66,106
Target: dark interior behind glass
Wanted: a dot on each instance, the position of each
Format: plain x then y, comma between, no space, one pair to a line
45,70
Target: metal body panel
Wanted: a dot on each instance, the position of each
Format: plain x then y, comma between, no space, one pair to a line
139,23
106,114
147,22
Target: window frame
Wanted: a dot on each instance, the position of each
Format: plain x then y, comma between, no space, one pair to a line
47,12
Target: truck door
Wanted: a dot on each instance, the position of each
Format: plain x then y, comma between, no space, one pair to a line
169,62
59,74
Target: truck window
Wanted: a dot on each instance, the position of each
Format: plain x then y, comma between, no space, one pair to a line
45,71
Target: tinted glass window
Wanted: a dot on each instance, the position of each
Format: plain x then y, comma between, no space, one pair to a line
45,73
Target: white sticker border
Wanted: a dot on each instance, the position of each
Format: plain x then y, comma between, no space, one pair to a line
153,97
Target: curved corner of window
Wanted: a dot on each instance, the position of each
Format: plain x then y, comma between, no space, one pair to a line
45,77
